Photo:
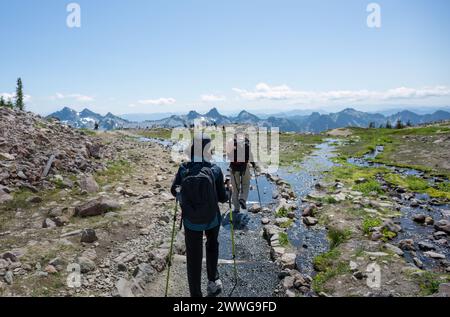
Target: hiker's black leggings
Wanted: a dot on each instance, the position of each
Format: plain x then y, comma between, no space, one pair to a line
194,257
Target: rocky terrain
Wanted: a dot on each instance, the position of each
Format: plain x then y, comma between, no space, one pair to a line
97,219
89,214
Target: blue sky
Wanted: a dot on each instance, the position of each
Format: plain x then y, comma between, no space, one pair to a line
144,56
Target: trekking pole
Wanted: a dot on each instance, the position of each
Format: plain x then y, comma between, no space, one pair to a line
257,187
233,248
171,246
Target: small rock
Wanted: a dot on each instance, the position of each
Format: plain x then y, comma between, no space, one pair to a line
9,277
256,208
265,221
391,226
419,218
417,262
443,225
434,255
429,221
394,249
288,282
158,259
6,157
353,266
50,269
288,261
34,200
426,246
310,221
88,236
358,275
88,184
444,290
9,256
96,207
407,244
86,265
48,223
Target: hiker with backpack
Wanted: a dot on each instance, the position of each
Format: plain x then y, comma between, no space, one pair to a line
200,187
241,158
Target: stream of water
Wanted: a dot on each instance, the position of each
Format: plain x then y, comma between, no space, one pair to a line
417,204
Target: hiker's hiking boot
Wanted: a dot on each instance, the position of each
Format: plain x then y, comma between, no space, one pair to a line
214,288
243,204
240,220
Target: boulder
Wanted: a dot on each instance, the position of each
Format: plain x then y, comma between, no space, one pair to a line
288,261
88,184
96,207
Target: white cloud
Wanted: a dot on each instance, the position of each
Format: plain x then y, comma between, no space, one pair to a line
264,91
7,96
77,97
212,98
158,102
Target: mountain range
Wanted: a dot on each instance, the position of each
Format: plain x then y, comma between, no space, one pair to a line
313,123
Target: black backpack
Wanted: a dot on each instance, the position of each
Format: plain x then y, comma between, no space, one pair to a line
241,166
199,201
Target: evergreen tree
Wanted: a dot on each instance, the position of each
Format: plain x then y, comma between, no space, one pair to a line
10,104
19,95
372,125
2,102
399,124
409,123
388,125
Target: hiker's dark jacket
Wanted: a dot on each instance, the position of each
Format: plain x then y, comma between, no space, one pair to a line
220,188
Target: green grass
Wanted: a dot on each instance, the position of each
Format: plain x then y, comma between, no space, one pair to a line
19,200
419,185
115,171
325,261
369,223
371,186
338,236
429,282
281,212
88,131
160,133
365,141
294,147
287,224
350,173
320,280
283,239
